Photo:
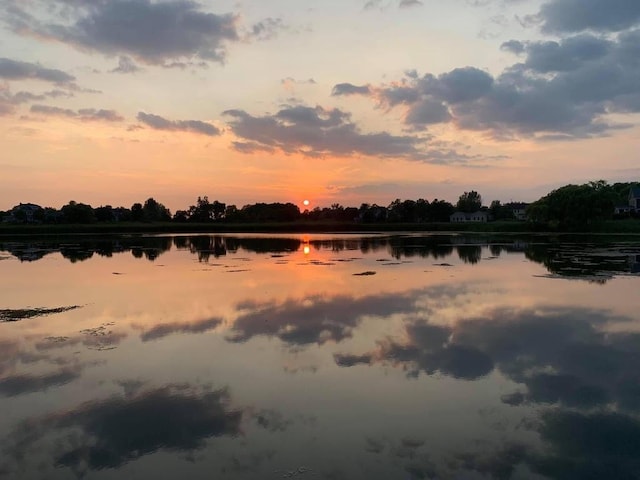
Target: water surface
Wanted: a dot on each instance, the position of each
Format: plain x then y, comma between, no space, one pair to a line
321,356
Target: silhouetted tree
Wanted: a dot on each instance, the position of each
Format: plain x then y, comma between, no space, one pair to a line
440,210
137,214
574,206
205,211
180,216
74,212
401,211
153,211
500,212
372,213
122,214
270,212
422,210
231,213
104,214
469,202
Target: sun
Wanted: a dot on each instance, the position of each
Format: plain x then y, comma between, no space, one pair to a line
306,203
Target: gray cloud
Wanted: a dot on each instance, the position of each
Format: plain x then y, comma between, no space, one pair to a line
562,356
410,3
513,46
84,114
22,384
567,16
166,329
561,90
151,32
350,89
325,319
53,111
427,112
349,360
196,126
293,81
569,54
268,28
317,132
9,101
17,70
381,5
117,430
126,65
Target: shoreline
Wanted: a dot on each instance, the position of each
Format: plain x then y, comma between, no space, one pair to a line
609,227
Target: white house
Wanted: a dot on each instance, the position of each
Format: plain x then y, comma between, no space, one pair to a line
459,217
519,210
634,198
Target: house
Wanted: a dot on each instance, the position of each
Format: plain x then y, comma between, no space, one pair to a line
622,209
519,210
459,217
633,203
634,198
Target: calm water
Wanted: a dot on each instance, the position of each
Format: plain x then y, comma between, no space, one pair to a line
322,357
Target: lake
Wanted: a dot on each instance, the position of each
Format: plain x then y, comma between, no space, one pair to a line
377,357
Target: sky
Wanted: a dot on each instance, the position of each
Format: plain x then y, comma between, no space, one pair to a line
334,101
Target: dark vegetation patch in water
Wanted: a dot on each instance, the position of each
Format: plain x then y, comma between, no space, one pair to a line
364,274
14,315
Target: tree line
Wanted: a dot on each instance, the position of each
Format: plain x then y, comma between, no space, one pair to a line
578,206
207,211
571,206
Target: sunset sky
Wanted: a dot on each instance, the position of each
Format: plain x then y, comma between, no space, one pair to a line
347,101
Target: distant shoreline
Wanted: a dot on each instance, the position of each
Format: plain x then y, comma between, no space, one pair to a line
607,227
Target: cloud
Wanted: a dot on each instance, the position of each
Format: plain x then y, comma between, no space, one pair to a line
598,445
166,329
381,5
151,32
15,385
117,430
195,126
569,54
350,89
430,351
348,360
570,16
83,114
563,357
427,112
564,89
97,338
126,65
9,101
513,46
53,111
17,70
410,3
325,319
317,132
268,28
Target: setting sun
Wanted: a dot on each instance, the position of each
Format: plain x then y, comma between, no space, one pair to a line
306,203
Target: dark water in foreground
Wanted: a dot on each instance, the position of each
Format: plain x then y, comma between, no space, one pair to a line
322,357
